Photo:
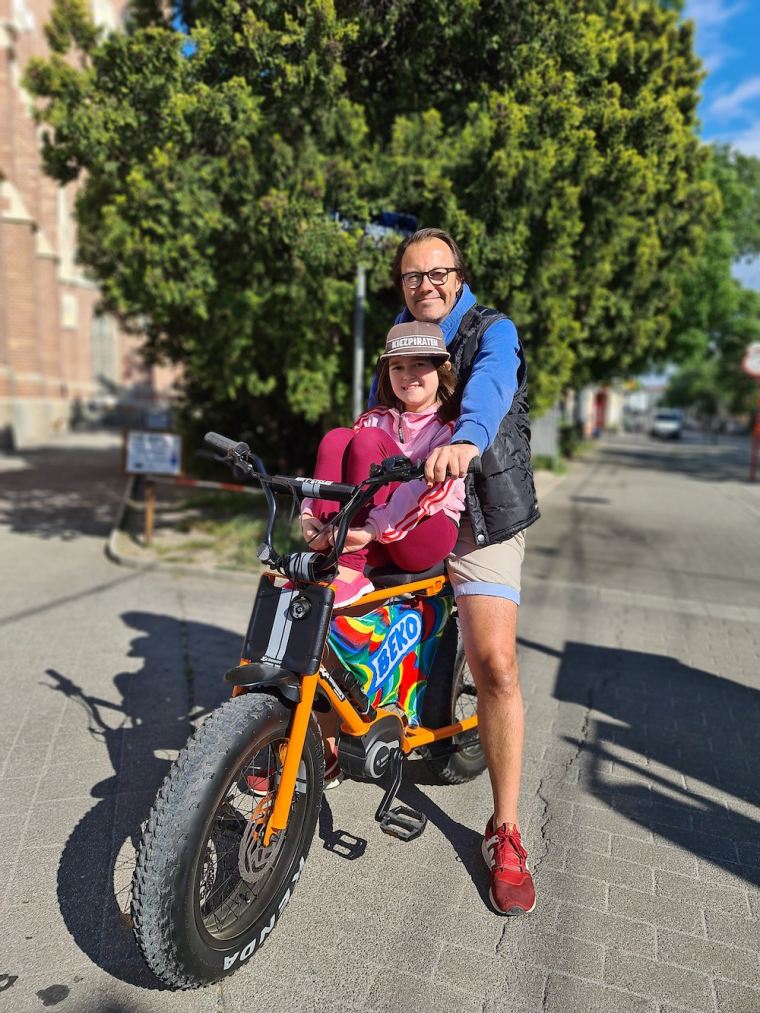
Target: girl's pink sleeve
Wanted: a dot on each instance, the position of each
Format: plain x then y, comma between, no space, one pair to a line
411,503
366,420
307,507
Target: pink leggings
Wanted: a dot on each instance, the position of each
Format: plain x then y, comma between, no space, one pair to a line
345,456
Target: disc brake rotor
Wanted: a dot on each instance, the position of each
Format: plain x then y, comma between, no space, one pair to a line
254,859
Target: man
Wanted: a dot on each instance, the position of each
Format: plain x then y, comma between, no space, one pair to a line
484,568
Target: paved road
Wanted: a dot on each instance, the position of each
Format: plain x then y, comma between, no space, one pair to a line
639,653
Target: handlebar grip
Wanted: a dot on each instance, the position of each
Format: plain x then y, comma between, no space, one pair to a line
323,489
226,445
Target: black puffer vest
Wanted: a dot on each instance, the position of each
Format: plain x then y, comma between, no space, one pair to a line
501,500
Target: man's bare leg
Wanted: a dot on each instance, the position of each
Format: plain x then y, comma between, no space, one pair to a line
489,632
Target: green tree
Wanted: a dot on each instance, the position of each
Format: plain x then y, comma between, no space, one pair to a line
717,317
555,139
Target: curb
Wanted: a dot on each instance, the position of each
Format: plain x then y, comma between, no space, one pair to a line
126,502
113,553
546,483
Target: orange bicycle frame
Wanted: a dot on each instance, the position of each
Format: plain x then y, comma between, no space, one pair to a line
351,721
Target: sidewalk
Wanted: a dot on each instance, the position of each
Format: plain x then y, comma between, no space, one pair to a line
640,804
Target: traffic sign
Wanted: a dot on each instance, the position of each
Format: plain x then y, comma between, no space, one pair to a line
751,360
152,453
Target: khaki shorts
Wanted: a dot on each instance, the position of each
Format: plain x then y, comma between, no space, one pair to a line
489,569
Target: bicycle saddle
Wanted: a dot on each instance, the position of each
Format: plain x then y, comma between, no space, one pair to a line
389,576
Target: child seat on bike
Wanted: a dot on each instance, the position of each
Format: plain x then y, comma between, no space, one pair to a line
391,576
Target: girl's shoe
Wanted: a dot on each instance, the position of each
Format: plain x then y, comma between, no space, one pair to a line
265,780
347,591
333,774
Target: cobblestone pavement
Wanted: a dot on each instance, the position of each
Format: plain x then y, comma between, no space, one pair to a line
639,638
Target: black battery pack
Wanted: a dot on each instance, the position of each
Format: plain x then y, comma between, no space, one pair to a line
288,626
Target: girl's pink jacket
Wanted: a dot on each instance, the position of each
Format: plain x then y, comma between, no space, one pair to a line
416,435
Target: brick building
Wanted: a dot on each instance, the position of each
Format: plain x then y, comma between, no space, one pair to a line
60,359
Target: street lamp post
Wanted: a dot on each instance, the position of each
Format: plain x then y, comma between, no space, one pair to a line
381,226
360,295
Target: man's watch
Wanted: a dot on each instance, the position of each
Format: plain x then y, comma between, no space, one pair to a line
459,443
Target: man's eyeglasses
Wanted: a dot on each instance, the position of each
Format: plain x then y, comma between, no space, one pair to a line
438,276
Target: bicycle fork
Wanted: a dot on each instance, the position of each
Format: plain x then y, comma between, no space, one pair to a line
278,819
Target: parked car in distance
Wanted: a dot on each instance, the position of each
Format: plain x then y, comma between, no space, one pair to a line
667,424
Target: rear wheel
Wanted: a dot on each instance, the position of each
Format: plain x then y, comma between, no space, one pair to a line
206,892
451,696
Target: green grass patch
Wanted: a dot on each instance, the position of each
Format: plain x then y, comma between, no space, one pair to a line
224,503
235,540
545,462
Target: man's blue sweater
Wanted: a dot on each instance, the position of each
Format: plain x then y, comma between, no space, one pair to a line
493,381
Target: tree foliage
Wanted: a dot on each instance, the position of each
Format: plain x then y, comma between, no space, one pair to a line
554,138
717,317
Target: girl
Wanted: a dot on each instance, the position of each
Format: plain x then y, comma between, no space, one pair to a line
410,525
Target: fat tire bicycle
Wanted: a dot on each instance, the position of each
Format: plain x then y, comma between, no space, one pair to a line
230,830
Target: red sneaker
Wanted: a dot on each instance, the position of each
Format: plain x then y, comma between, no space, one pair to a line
512,891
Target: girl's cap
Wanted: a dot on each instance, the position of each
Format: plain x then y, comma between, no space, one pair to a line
416,338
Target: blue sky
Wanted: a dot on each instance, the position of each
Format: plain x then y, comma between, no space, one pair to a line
728,41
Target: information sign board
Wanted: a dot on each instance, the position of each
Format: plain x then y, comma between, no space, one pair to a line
147,452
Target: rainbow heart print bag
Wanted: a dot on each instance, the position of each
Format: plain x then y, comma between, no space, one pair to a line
391,649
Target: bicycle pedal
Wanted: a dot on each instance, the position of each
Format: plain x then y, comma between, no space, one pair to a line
404,823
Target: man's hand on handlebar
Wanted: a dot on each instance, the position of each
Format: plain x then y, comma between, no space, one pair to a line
450,461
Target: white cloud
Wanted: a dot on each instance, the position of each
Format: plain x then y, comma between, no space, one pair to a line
733,102
712,12
748,141
710,16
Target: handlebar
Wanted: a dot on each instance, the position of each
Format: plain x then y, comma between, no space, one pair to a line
227,446
315,565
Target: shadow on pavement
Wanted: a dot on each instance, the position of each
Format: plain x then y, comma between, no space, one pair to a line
142,734
338,842
664,719
466,842
726,459
63,492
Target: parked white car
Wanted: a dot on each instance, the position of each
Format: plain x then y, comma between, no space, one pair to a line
667,424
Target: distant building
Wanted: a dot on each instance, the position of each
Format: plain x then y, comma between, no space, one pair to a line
61,361
595,409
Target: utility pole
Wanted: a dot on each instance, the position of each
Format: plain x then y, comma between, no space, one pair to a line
376,231
360,294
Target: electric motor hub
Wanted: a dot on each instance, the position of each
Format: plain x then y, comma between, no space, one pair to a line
366,757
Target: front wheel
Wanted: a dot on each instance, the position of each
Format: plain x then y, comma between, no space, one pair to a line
451,696
206,892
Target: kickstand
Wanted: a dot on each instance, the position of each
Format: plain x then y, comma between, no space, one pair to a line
401,822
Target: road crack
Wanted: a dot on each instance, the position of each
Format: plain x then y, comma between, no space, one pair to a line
544,792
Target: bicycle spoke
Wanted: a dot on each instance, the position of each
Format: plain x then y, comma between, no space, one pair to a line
224,896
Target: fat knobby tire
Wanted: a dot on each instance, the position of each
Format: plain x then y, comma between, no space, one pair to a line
444,687
166,881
